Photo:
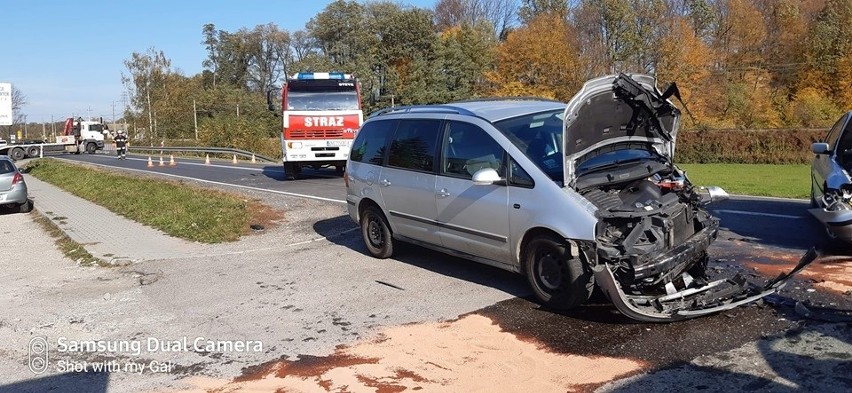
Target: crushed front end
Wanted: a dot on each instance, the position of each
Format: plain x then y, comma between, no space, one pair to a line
836,213
653,230
651,252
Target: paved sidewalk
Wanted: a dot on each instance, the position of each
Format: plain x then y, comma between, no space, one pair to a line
105,234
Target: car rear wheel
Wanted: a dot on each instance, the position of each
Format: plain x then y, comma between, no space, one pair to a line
376,233
559,280
26,207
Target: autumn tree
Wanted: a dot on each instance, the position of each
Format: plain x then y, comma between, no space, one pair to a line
146,82
685,59
531,9
500,15
540,59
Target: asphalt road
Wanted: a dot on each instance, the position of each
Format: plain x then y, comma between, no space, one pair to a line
756,232
782,223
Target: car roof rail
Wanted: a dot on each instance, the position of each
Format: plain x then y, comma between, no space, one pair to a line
510,98
424,109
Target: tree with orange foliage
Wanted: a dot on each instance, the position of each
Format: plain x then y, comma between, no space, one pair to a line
539,59
685,59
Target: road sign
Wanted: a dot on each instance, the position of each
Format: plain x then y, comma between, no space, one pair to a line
6,114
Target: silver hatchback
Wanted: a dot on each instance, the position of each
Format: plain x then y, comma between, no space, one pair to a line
13,188
568,195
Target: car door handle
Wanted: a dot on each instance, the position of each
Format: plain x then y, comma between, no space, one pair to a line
443,193
385,182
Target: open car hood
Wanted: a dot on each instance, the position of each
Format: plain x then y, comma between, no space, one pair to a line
617,109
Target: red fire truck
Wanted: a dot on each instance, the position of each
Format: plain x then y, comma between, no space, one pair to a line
322,113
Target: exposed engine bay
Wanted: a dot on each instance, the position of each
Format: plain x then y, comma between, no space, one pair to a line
642,220
651,255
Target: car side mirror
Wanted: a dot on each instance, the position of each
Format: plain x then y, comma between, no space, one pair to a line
486,176
819,148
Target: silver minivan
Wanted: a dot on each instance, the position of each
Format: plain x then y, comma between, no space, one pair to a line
568,195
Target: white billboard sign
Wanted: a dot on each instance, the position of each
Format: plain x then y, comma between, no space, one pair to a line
6,114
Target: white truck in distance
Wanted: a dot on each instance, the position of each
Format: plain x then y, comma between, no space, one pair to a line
78,135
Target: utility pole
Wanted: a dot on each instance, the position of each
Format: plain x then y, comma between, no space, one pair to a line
43,131
195,119
150,116
26,135
113,116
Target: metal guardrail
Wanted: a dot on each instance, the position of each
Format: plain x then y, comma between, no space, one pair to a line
198,149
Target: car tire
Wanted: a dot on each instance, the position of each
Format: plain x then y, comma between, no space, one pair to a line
376,233
26,207
32,151
559,280
338,169
91,148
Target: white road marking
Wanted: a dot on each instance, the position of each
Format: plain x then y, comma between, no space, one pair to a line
759,214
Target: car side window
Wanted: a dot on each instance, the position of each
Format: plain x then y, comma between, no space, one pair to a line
369,144
518,177
414,144
467,149
834,133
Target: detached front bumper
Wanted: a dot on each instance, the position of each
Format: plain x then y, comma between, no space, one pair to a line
694,301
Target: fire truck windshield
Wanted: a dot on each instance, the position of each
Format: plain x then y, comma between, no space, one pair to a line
322,101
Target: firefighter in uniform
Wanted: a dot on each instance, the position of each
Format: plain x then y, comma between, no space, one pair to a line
121,144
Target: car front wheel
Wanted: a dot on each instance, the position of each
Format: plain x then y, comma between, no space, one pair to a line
559,280
376,233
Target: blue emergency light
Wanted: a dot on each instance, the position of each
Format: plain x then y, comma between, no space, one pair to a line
320,75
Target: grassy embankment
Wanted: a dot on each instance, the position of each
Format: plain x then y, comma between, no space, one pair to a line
175,208
788,181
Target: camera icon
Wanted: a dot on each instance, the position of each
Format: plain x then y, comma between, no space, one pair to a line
38,355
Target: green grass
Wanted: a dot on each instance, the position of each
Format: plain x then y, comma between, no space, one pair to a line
788,181
175,208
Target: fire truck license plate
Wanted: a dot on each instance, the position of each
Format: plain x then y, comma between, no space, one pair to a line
338,143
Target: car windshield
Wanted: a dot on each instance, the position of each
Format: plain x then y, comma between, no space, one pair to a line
615,157
539,136
322,101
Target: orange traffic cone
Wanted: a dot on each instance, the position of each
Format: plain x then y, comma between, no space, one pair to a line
252,159
234,161
172,160
206,159
150,164
161,161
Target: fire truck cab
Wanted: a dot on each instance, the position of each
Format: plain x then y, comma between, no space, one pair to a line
321,113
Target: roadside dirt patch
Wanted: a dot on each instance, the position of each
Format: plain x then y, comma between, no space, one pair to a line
262,216
470,354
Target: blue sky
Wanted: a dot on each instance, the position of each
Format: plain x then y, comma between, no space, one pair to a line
67,57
